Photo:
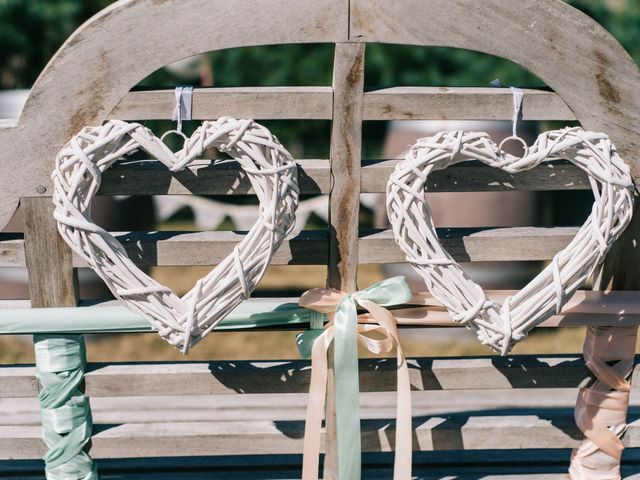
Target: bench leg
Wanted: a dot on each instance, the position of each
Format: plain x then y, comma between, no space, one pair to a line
601,408
66,414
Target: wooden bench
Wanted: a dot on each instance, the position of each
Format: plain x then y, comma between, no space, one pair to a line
592,81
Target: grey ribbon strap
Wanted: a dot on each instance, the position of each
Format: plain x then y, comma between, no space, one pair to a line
184,104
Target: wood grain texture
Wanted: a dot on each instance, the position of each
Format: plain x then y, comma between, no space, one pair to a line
396,103
310,247
257,103
474,245
346,147
52,280
203,177
314,177
376,375
444,103
344,205
453,432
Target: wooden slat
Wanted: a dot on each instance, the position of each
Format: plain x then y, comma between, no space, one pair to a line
18,381
476,177
188,248
12,250
309,247
555,429
226,178
203,177
249,102
397,103
464,245
210,248
443,103
52,280
376,375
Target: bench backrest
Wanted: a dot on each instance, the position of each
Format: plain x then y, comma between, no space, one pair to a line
593,80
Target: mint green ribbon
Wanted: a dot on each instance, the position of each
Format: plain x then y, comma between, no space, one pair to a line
392,291
66,414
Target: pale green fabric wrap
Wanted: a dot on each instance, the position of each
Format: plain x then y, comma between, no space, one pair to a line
66,414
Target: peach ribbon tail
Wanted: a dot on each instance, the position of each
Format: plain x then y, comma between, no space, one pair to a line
601,408
378,320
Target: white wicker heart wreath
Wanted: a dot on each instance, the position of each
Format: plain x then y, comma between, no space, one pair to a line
501,326
181,321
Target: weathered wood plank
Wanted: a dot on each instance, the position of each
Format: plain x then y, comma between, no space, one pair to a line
232,408
12,250
396,103
204,177
476,177
210,248
52,280
498,244
444,103
189,248
273,377
309,247
465,245
555,429
226,178
18,381
346,145
251,102
344,204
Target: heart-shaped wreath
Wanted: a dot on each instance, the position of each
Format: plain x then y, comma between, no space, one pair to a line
501,326
180,321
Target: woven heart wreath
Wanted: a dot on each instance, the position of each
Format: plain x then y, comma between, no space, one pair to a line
502,326
180,321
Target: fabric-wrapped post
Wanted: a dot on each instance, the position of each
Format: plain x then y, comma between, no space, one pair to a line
66,413
601,408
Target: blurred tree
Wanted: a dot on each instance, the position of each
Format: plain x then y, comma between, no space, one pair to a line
32,30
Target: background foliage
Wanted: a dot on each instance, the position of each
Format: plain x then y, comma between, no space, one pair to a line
32,30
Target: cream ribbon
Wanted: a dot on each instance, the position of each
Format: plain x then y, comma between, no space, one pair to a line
340,309
601,409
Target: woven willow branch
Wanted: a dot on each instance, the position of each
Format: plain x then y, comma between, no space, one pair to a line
501,326
181,321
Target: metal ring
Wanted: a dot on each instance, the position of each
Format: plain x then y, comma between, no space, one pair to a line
177,132
522,142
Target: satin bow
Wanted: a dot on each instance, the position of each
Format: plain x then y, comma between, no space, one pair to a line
345,331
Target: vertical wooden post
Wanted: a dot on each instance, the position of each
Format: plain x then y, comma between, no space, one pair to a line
52,281
344,201
346,147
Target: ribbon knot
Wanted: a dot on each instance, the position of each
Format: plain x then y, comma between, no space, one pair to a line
346,330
